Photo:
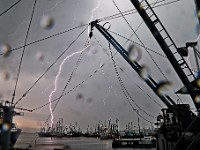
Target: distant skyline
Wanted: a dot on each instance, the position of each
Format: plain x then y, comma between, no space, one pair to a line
100,97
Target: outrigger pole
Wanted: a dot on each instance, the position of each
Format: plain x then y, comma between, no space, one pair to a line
169,48
149,80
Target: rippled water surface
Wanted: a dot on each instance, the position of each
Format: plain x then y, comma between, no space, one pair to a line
81,143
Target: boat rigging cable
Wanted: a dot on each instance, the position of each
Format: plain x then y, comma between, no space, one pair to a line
126,93
169,48
139,25
147,49
69,79
100,20
10,7
39,107
142,44
128,12
126,73
45,72
139,39
26,38
45,39
52,65
91,75
124,90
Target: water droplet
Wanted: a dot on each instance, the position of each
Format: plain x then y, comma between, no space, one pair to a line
163,87
122,69
5,75
79,96
81,23
141,6
92,50
197,99
144,72
168,71
198,14
183,90
5,49
197,28
5,126
155,33
134,53
46,22
198,82
89,100
40,56
124,103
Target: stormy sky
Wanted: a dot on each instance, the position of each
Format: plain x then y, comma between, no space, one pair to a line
100,97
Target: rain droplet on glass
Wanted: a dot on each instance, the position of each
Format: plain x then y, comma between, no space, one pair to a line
40,56
198,14
197,28
198,82
5,49
197,99
134,52
144,72
6,75
79,96
46,22
89,100
163,87
5,126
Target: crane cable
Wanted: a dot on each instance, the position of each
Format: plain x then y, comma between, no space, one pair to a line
126,93
144,46
59,33
69,80
51,65
26,38
128,12
10,8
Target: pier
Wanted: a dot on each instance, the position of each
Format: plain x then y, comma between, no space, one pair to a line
134,143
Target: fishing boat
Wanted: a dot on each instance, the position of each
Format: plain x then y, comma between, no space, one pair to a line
145,142
179,126
14,131
59,130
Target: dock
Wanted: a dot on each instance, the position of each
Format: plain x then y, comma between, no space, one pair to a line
134,143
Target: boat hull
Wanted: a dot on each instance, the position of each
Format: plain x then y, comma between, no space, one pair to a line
14,136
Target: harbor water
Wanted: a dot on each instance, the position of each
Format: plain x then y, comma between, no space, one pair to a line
76,143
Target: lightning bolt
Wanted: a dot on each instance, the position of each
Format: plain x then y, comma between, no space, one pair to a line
93,12
67,57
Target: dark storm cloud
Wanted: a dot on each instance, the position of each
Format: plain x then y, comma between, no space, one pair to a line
97,102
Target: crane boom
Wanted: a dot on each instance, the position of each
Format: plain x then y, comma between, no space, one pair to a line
149,81
169,48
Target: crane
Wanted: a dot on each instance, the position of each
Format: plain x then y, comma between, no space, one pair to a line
178,119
